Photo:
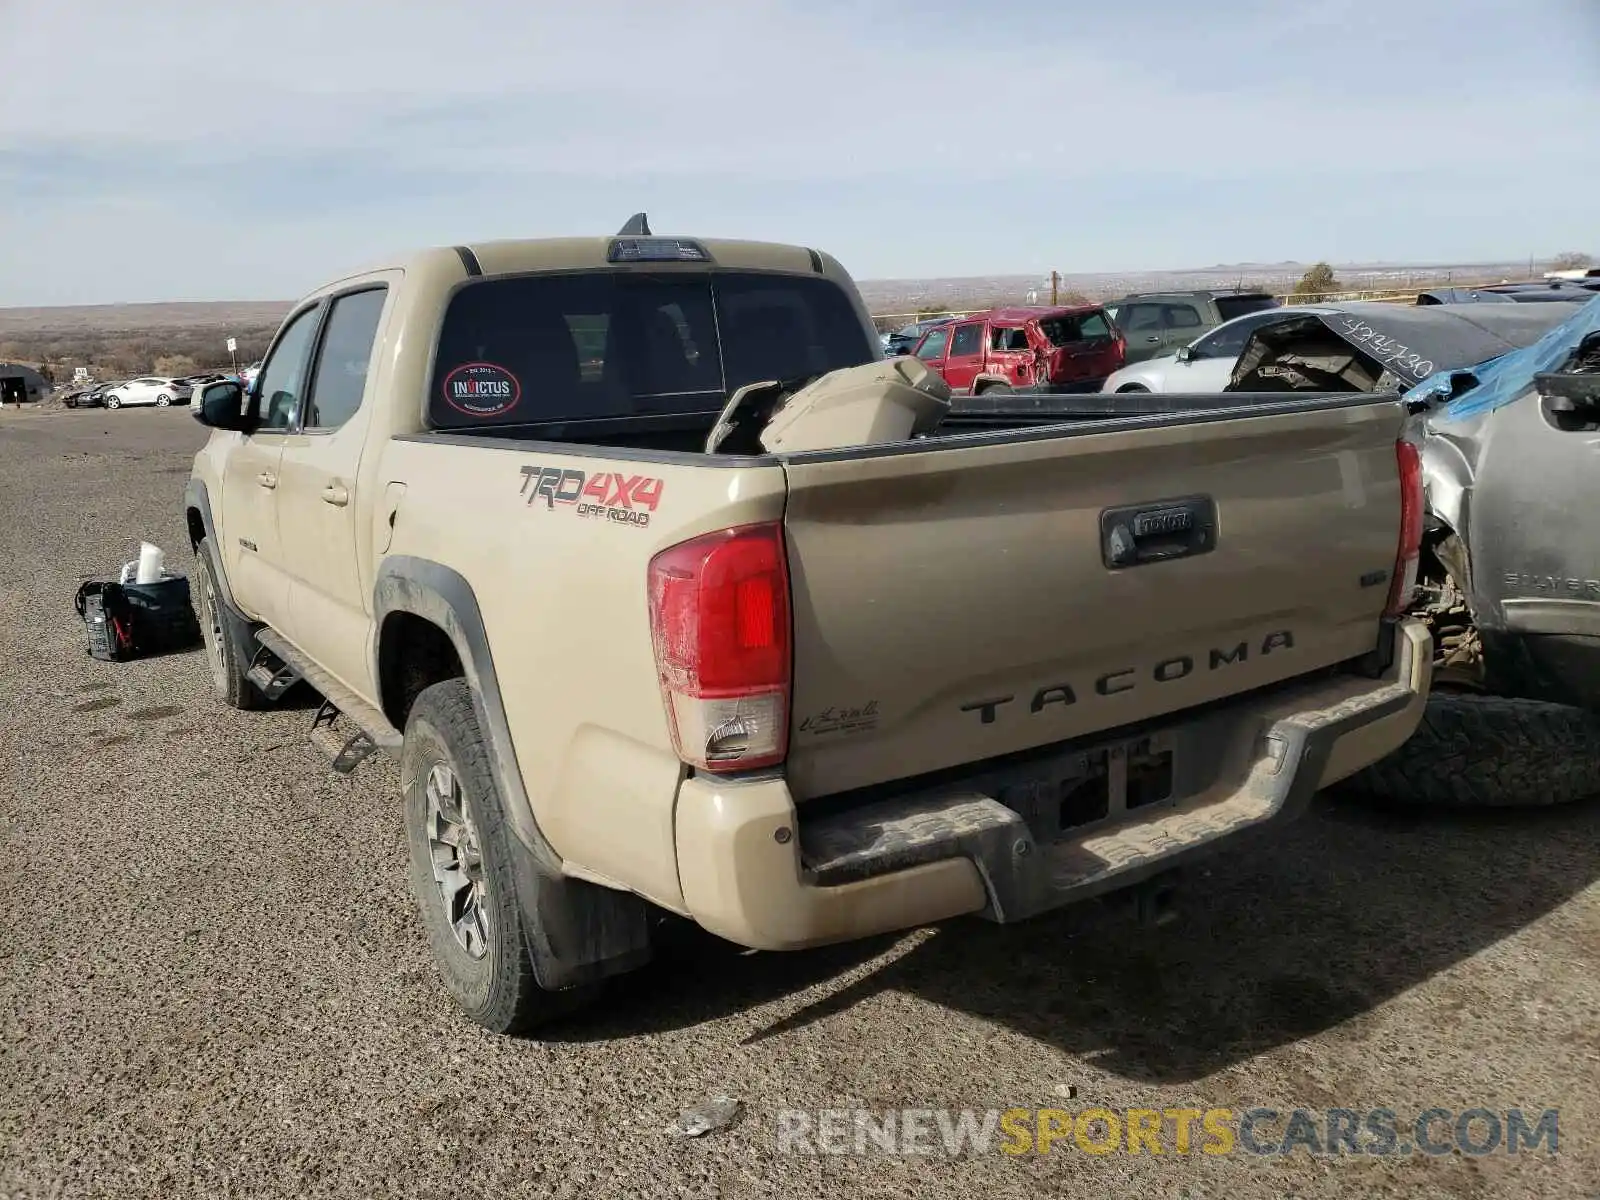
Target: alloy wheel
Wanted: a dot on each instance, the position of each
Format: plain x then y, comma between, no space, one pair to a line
457,860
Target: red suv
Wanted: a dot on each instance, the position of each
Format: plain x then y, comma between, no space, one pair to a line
1042,349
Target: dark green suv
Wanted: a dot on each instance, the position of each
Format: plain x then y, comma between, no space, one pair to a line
1157,323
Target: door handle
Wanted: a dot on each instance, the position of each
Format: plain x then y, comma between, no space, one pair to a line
1135,534
336,494
1153,338
267,480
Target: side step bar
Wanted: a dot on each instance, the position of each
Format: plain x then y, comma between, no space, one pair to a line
271,675
345,750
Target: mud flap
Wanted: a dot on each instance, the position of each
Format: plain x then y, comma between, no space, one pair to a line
578,932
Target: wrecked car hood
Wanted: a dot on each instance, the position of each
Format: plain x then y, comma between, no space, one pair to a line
1485,386
1463,402
1371,346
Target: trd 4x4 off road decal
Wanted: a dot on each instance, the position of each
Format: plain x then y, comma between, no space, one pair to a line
603,495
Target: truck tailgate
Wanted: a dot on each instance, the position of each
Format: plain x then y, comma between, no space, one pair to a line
961,602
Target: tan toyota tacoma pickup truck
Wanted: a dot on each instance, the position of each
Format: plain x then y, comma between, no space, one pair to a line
670,594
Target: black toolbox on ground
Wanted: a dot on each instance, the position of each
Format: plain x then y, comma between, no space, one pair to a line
135,620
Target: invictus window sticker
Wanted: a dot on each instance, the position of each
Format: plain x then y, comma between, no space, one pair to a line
481,389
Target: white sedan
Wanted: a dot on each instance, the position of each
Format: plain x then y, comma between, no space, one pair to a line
148,389
1205,364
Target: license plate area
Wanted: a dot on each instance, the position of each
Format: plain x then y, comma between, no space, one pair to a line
1099,786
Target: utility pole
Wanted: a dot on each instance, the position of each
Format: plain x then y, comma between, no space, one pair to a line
1055,288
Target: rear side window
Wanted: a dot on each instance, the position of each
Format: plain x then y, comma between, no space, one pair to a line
1181,316
340,377
1008,337
1229,307
1084,327
968,339
1140,318
555,348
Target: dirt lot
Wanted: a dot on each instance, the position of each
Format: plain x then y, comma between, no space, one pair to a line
214,984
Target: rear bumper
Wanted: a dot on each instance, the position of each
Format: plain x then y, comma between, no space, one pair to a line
759,874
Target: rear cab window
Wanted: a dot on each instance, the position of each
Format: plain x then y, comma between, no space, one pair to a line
566,348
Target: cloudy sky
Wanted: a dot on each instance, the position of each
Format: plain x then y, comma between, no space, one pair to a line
216,149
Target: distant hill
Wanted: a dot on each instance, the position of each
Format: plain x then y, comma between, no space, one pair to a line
71,333
139,318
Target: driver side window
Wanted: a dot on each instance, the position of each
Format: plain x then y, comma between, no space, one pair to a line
282,378
1215,344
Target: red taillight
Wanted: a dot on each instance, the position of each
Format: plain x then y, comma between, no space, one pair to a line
1409,551
719,619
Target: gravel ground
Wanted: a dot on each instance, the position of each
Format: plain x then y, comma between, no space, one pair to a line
214,983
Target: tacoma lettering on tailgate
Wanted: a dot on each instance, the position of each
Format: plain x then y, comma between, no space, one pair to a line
1168,670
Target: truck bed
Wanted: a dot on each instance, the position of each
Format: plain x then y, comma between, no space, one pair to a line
683,437
955,592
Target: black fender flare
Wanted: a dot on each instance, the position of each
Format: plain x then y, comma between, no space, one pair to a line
240,628
197,497
577,931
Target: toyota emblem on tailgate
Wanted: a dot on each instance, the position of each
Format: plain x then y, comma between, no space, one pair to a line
1162,520
1132,535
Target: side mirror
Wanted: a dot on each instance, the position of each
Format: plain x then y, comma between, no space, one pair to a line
1185,354
1571,401
222,406
1568,391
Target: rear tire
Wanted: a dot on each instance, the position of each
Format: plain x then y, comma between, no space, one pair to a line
227,638
988,388
1474,751
163,401
1132,387
462,868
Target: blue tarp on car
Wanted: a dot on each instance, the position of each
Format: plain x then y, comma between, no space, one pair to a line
1501,380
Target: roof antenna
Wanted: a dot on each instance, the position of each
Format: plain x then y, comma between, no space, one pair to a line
638,226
